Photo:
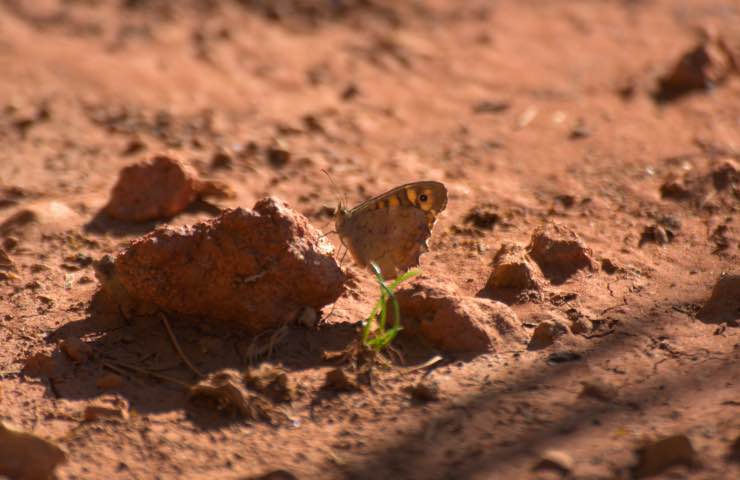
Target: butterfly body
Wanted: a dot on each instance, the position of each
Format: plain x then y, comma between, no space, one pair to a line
392,229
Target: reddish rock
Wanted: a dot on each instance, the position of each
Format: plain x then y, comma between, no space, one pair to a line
254,268
77,350
707,64
513,269
455,323
559,252
546,333
724,303
156,189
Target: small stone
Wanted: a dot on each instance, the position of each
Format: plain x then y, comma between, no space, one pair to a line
556,460
338,381
706,65
513,268
559,252
156,189
133,146
109,381
658,456
452,322
546,333
77,350
723,305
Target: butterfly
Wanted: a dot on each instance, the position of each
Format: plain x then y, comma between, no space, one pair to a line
392,229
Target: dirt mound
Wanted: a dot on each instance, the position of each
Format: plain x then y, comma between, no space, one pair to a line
255,268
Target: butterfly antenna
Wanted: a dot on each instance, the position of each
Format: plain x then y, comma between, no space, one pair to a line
336,188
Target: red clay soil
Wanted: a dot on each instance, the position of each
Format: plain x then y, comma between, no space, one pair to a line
530,112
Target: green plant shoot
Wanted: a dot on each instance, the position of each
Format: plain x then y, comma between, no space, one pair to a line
375,335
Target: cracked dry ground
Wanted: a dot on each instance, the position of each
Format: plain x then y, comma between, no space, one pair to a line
529,111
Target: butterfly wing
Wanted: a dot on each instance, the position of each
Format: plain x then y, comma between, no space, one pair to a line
392,229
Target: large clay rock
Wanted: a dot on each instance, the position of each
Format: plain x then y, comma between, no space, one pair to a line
255,268
559,252
724,303
157,189
455,323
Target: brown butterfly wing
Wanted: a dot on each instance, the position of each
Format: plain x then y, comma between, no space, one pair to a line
393,229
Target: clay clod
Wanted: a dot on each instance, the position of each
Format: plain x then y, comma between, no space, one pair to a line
706,65
724,303
546,333
559,252
156,189
514,272
456,323
257,269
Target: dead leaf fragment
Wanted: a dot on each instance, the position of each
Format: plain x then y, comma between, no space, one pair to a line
25,456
